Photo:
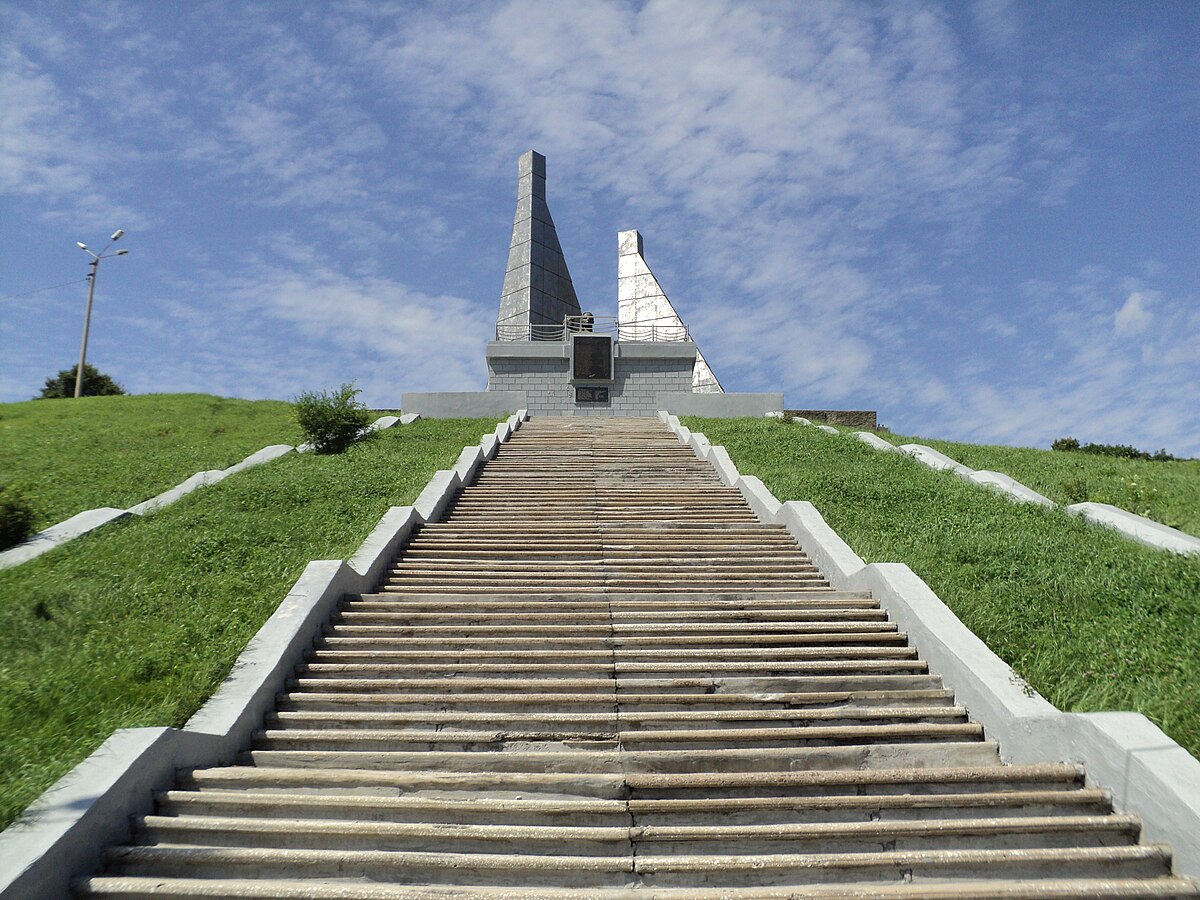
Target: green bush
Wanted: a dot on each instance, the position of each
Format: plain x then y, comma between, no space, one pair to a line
331,420
16,517
1120,451
95,384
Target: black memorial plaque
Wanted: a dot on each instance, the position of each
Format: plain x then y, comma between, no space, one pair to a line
591,395
593,358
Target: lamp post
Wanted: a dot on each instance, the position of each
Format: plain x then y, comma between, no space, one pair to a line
87,316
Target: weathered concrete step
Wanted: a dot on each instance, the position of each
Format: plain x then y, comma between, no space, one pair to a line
676,870
616,581
824,837
350,649
697,704
816,785
682,687
388,739
630,601
616,588
498,807
600,561
133,888
802,620
755,530
541,671
603,571
618,631
594,760
613,719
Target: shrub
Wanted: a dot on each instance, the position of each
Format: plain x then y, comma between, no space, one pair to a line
1120,451
16,517
95,384
331,420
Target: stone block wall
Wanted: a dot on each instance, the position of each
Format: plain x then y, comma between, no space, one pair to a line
847,418
548,389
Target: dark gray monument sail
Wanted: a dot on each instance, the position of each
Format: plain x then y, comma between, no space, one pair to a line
537,293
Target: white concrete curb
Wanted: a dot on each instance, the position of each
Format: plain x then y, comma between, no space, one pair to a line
91,519
1148,774
1139,528
63,832
57,535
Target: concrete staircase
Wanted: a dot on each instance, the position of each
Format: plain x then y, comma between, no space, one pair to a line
600,676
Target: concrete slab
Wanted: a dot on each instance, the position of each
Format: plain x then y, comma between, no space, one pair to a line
1139,528
181,490
1009,486
934,459
57,535
265,455
875,441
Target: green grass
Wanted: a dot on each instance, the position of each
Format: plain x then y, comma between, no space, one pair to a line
1168,492
139,622
1091,620
72,455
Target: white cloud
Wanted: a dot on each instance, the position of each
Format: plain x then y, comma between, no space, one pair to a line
1133,317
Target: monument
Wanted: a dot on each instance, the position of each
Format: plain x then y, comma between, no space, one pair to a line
551,357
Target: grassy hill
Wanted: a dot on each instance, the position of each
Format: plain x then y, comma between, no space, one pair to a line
1168,492
72,455
139,622
1091,620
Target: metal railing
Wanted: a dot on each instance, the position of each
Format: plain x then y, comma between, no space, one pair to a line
592,325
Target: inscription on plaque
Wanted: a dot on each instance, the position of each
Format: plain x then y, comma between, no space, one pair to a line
591,395
593,358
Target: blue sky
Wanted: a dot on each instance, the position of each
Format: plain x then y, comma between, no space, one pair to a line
980,219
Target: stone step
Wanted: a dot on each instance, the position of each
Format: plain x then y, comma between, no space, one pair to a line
700,705
815,784
344,649
798,869
645,601
685,688
620,839
598,760
154,888
612,719
498,807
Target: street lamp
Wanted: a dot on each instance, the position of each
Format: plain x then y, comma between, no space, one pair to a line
87,316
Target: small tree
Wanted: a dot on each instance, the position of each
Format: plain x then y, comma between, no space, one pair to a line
95,384
331,420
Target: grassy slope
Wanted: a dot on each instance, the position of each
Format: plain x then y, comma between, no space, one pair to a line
1168,492
72,455
1093,621
138,623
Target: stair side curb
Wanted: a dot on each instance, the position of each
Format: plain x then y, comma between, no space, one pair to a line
875,441
1006,484
57,535
65,830
1138,528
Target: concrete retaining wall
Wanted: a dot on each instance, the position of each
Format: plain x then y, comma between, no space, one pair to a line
720,406
1148,774
61,835
464,404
